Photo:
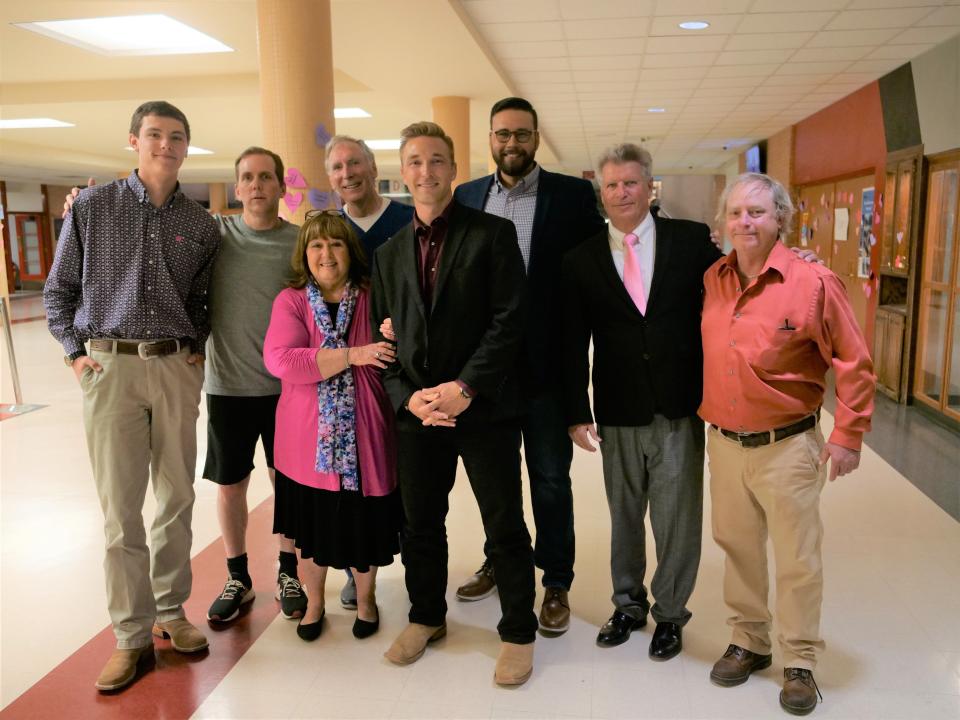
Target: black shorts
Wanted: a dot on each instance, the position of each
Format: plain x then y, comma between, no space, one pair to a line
234,424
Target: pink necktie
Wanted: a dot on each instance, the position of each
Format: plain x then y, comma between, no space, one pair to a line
632,276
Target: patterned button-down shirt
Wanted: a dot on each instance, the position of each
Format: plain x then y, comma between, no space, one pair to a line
126,269
517,204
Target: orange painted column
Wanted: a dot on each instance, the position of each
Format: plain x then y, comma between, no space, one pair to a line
453,115
296,97
218,197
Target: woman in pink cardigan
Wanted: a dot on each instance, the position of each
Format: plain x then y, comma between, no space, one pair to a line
335,448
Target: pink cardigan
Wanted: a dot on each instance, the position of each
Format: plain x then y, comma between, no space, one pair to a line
288,352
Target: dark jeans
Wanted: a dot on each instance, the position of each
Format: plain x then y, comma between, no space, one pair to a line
427,470
549,452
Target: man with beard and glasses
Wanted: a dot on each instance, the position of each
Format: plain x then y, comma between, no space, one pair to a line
552,213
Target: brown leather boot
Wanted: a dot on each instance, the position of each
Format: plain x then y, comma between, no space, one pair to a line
800,691
736,665
555,612
412,642
121,668
183,635
479,585
515,664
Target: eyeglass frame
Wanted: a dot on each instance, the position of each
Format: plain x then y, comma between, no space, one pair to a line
513,134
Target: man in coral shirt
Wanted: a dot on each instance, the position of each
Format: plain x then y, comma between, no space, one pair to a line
772,326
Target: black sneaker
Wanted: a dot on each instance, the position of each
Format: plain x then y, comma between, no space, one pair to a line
226,607
293,601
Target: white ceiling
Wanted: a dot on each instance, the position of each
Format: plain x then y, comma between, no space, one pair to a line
591,68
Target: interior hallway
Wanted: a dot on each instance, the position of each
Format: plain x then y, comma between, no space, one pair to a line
891,611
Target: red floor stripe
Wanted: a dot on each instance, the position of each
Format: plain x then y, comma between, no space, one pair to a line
179,683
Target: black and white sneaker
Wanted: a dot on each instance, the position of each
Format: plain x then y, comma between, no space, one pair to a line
293,601
226,607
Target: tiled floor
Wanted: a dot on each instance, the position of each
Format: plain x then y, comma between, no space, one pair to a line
891,613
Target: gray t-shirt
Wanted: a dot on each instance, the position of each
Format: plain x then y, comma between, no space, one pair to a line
251,268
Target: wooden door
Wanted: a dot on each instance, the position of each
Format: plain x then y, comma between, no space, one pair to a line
854,197
32,250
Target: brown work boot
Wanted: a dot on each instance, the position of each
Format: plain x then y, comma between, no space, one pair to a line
183,635
515,664
479,585
555,612
121,668
800,691
412,642
736,665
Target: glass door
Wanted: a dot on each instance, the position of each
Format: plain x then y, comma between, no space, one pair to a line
30,241
937,380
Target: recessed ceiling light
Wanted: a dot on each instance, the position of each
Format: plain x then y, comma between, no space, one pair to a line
191,150
656,110
384,144
23,123
695,25
129,35
353,112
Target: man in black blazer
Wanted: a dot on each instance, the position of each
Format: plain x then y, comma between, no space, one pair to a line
636,290
552,213
452,284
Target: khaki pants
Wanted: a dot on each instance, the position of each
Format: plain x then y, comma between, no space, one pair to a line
776,489
141,420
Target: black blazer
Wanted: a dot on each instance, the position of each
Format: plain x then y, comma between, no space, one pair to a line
565,216
472,331
642,364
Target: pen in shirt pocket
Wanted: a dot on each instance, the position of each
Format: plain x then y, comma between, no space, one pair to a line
786,325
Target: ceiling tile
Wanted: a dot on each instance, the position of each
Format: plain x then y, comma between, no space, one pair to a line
529,49
613,46
582,76
707,43
879,67
656,83
607,28
719,25
546,88
688,60
857,19
547,63
882,4
492,11
709,92
527,77
579,10
774,6
735,82
860,78
606,62
739,71
784,22
899,52
701,7
677,73
767,41
934,35
943,16
652,97
847,38
624,88
809,68
753,57
854,52
523,31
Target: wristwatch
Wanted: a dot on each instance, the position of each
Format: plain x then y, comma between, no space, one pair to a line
68,359
464,394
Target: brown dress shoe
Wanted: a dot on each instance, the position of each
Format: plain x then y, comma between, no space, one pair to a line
183,635
555,612
479,585
121,668
514,665
412,642
800,691
736,665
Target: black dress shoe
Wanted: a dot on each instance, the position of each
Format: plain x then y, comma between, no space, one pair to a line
667,641
617,629
311,632
365,628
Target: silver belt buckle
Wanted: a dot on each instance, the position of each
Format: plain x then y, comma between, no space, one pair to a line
143,348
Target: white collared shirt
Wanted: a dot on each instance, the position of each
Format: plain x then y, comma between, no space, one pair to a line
646,249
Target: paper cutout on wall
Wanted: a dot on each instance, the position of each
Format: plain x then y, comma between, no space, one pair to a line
293,201
295,179
319,199
873,239
321,135
860,217
816,224
823,200
841,224
867,289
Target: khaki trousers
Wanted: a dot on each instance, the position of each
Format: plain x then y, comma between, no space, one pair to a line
771,489
141,420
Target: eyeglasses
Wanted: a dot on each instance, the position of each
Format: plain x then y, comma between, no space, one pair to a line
522,136
325,211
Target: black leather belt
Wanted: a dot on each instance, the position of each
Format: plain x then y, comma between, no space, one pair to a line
757,439
146,350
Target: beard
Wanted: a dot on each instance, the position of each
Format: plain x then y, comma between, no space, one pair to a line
515,164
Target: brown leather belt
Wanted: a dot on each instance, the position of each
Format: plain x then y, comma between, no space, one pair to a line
147,349
757,439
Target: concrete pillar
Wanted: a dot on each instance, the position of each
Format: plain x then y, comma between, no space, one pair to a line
296,96
453,115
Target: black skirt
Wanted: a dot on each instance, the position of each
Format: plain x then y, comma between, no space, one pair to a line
338,529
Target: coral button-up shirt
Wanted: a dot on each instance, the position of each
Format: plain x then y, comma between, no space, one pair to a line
767,348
